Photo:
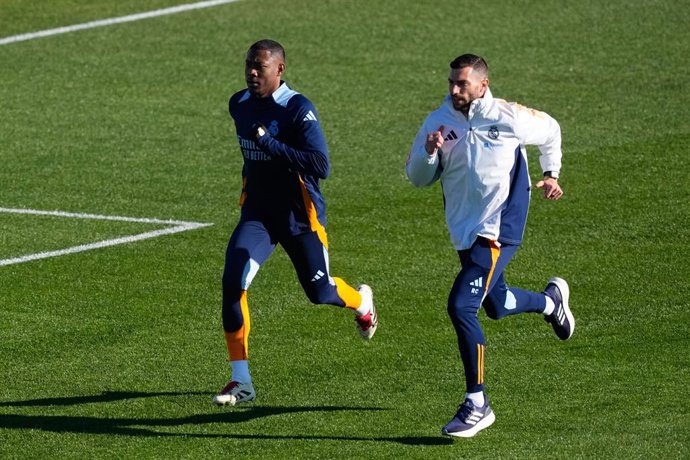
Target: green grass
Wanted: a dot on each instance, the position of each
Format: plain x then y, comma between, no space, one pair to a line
115,353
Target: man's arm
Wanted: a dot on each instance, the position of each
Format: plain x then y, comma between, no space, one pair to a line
539,128
311,160
423,164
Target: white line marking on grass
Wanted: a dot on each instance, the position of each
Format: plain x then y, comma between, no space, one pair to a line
111,21
177,226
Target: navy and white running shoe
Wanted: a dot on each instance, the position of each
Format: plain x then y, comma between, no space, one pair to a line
470,419
561,318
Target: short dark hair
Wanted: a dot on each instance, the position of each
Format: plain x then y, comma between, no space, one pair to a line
269,45
471,60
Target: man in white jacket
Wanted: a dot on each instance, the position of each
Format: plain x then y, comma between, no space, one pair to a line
474,144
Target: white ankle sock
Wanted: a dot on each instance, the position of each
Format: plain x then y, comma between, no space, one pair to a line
549,306
240,371
477,398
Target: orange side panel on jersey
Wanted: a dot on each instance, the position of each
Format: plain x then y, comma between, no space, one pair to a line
350,296
237,341
495,252
312,215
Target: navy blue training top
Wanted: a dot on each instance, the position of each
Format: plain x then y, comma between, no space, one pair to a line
282,169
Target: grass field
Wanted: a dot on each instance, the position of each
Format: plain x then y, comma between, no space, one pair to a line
116,352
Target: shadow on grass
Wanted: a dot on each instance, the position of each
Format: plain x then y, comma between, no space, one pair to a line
145,427
106,396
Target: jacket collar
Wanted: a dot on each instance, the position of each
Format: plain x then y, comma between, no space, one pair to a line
478,105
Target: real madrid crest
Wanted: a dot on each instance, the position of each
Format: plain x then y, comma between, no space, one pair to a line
493,133
273,128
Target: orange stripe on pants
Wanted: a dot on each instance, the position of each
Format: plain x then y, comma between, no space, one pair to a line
237,341
480,363
495,253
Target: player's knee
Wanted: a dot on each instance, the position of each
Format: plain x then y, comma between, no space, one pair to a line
235,279
494,308
233,318
460,313
491,311
230,280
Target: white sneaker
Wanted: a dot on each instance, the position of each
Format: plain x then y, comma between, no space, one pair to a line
561,318
367,323
470,419
235,393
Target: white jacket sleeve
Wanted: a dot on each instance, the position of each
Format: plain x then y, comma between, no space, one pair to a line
539,128
422,169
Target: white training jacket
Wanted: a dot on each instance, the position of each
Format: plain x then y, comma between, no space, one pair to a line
482,166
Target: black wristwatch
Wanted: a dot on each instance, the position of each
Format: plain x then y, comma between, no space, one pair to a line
551,174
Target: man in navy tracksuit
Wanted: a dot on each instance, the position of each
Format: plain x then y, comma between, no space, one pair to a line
285,156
